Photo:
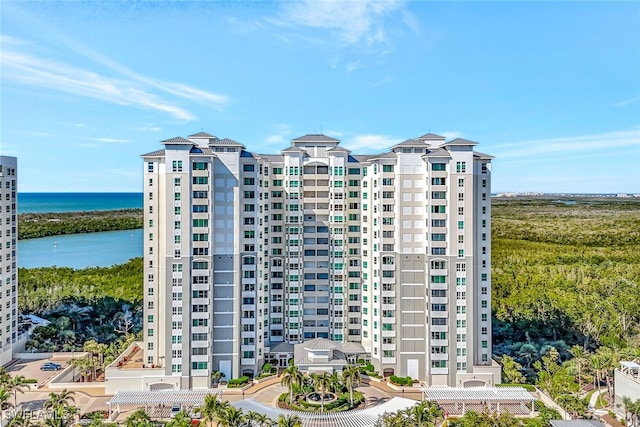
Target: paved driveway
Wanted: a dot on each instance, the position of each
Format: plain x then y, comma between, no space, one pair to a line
31,369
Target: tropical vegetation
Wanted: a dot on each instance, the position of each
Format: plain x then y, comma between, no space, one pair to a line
423,414
342,386
34,225
565,281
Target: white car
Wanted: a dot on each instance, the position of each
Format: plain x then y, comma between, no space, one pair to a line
175,409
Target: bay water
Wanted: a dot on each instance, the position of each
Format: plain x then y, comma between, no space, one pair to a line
79,250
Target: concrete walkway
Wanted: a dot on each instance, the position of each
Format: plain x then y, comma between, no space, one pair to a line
594,400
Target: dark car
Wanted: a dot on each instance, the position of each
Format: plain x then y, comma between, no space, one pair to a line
50,366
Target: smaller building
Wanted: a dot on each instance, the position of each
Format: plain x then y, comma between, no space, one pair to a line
576,423
626,384
323,355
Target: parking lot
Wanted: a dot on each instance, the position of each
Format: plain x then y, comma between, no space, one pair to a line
31,369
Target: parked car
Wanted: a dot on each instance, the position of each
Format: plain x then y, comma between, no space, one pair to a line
50,366
195,414
175,409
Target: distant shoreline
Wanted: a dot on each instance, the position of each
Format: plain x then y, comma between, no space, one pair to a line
36,225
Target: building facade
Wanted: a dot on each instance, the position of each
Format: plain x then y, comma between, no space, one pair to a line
247,252
8,256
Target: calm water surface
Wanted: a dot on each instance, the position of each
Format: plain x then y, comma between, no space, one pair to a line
74,202
81,250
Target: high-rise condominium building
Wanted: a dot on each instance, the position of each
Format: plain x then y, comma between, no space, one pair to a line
246,254
8,256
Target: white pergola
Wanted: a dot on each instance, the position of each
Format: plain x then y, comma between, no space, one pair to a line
354,418
160,397
459,400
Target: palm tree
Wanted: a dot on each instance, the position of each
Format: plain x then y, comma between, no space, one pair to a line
231,417
60,401
321,383
20,421
17,385
580,356
138,419
291,377
5,377
210,409
4,400
257,419
182,419
424,414
627,403
634,409
216,376
598,363
288,421
351,377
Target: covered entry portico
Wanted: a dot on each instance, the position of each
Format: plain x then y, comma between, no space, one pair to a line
457,401
156,402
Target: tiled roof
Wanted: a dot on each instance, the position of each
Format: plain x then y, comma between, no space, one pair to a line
411,143
154,153
176,140
351,347
226,141
272,157
438,152
282,347
202,135
338,148
430,136
482,155
294,148
335,360
315,137
460,141
320,344
368,157
206,151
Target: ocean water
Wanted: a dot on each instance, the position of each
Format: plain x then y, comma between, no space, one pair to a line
79,250
74,202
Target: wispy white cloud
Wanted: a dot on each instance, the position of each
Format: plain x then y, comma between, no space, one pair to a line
41,134
453,134
111,140
365,27
282,134
584,143
353,22
127,88
148,128
370,143
627,102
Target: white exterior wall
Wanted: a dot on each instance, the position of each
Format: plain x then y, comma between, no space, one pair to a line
8,257
315,242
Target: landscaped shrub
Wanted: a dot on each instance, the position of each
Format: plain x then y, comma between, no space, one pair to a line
238,382
401,380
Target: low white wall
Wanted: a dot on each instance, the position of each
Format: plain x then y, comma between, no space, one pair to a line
32,356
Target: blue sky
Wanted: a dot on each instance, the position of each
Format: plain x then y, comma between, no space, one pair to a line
552,89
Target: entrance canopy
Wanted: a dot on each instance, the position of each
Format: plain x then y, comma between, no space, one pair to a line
160,397
356,418
457,401
475,394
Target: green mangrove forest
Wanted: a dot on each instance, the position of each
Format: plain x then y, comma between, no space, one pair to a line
564,274
34,225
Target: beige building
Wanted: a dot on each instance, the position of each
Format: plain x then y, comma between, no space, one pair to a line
246,253
8,256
